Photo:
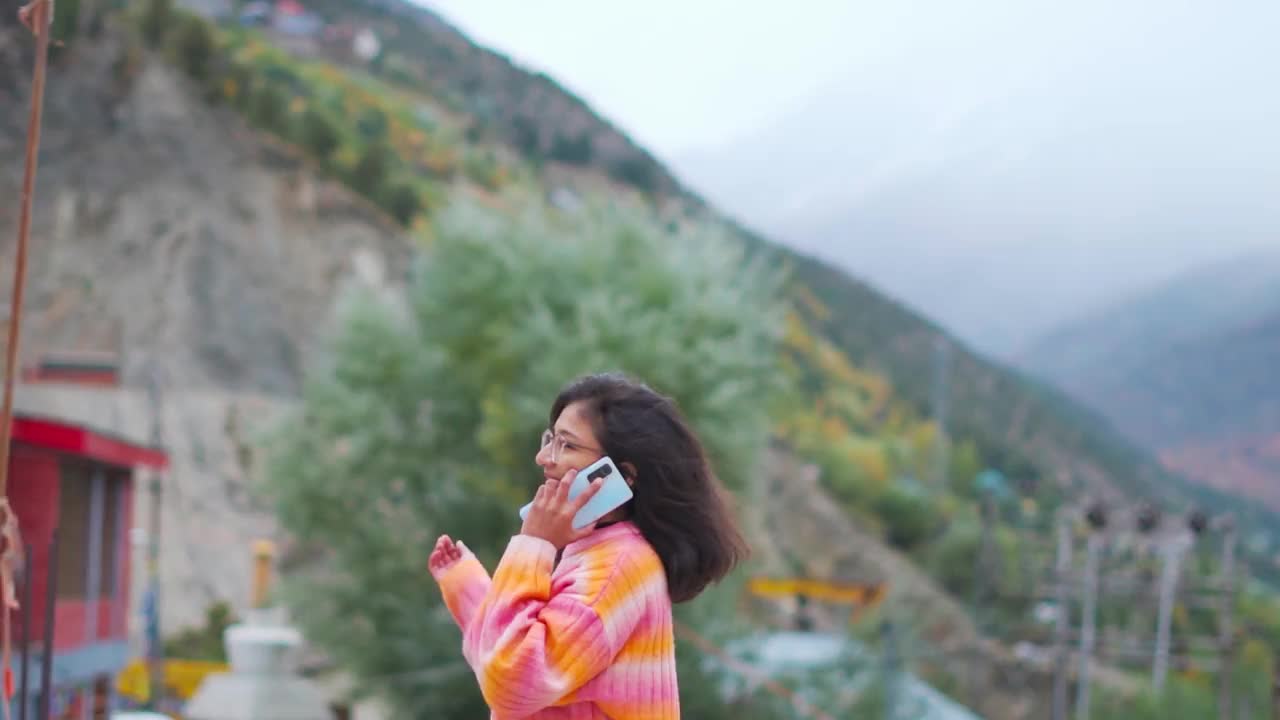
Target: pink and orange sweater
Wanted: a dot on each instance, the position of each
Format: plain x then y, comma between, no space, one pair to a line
590,638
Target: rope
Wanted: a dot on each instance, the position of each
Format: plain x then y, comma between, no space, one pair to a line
37,16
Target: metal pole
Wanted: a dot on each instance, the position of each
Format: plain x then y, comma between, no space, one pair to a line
977,595
1061,571
46,652
941,378
155,648
1169,570
1225,618
24,663
1088,621
889,643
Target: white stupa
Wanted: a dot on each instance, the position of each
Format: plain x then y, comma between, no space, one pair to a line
263,683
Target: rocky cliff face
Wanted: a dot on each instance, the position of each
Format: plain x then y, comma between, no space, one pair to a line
169,233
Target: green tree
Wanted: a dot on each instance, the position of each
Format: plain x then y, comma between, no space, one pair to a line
319,134
205,642
424,417
156,15
402,200
66,21
371,170
194,46
575,151
269,108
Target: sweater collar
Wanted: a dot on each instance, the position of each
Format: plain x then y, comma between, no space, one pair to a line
622,528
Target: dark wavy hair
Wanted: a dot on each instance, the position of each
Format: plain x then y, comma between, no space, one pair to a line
680,506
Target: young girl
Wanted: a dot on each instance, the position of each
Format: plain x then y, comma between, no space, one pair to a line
576,625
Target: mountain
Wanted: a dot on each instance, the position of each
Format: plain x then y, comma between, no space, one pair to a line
1006,167
1187,369
202,203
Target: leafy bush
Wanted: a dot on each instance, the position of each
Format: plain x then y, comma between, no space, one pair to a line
482,167
156,16
319,134
372,124
636,171
66,20
577,151
402,200
206,642
268,107
371,170
194,46
909,517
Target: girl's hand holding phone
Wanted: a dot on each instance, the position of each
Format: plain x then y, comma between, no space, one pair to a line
552,512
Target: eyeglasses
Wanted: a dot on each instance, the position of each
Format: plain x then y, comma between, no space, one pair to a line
559,443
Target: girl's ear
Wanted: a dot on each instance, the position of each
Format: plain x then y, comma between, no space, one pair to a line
628,473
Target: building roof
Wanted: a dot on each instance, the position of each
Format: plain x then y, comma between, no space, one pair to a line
67,437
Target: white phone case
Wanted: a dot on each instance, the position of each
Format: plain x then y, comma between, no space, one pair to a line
615,492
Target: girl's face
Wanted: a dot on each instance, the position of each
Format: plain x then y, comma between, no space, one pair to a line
570,445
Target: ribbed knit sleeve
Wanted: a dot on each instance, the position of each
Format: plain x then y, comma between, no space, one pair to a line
534,642
463,585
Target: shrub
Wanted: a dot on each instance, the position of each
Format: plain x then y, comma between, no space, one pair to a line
193,45
371,169
577,151
156,16
402,200
269,108
319,134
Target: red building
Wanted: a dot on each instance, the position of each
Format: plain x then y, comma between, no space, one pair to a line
79,480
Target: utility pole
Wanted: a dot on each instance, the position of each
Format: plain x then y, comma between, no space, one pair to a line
1226,637
155,648
1061,572
1171,564
941,391
889,648
1089,602
981,575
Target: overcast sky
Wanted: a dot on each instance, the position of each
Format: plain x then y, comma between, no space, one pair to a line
677,75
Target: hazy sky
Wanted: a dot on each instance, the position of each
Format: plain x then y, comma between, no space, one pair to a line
675,74
999,164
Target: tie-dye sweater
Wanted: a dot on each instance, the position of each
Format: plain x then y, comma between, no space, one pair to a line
589,638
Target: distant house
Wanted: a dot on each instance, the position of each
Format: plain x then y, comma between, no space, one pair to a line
291,18
256,13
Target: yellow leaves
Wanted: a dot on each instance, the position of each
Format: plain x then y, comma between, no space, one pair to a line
834,429
297,106
330,74
230,88
811,302
796,335
440,160
347,156
870,458
922,436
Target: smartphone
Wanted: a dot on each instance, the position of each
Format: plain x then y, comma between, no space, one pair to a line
613,495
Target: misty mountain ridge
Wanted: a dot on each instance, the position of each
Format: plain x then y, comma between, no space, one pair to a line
1011,169
1188,370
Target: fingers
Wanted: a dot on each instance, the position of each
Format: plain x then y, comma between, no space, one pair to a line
592,490
566,482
